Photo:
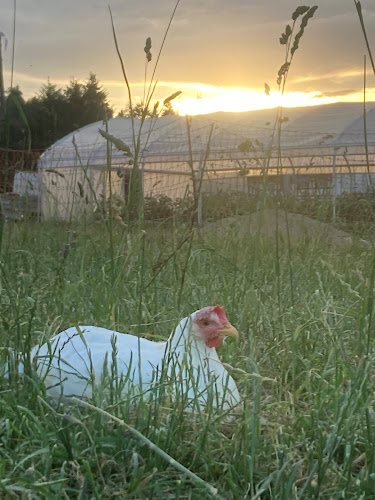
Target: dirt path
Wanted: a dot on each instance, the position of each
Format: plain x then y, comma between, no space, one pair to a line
300,226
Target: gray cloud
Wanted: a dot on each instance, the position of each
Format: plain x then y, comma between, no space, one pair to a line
341,93
215,42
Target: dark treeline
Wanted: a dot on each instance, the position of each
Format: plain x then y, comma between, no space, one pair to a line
38,122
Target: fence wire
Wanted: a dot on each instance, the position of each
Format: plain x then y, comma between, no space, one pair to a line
226,177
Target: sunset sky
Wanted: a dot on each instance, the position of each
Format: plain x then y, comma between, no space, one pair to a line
218,53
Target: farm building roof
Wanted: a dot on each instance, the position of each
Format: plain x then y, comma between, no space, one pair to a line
328,125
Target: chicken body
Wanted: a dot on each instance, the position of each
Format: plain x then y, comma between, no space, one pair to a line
76,360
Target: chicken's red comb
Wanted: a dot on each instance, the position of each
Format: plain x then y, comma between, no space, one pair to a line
214,309
221,313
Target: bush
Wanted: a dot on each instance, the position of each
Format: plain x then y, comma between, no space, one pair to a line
352,209
356,207
227,204
158,207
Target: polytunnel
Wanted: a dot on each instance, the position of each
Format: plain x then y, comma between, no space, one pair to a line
321,148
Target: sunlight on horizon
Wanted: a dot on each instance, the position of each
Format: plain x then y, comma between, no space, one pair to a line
241,99
200,98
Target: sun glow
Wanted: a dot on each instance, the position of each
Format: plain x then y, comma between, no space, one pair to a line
199,98
210,99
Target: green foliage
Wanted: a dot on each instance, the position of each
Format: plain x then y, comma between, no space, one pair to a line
120,145
45,114
16,128
140,110
363,27
52,114
215,206
158,207
227,204
286,39
308,15
96,106
304,369
356,207
164,208
147,49
304,365
354,211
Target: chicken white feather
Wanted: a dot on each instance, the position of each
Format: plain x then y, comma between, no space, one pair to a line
77,359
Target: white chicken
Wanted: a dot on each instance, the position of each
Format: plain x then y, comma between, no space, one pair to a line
77,359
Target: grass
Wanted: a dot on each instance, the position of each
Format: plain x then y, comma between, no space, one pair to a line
304,363
304,367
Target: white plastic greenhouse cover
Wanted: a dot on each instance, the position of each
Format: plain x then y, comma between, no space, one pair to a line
332,124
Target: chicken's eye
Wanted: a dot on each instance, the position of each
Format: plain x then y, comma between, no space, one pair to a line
205,322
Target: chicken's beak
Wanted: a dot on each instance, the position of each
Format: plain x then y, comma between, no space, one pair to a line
228,331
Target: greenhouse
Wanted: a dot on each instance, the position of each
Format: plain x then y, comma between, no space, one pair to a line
322,151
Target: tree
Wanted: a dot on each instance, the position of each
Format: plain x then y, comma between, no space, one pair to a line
139,110
52,113
75,104
168,110
14,128
56,112
95,102
45,114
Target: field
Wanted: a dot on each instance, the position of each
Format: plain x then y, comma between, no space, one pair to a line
303,364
